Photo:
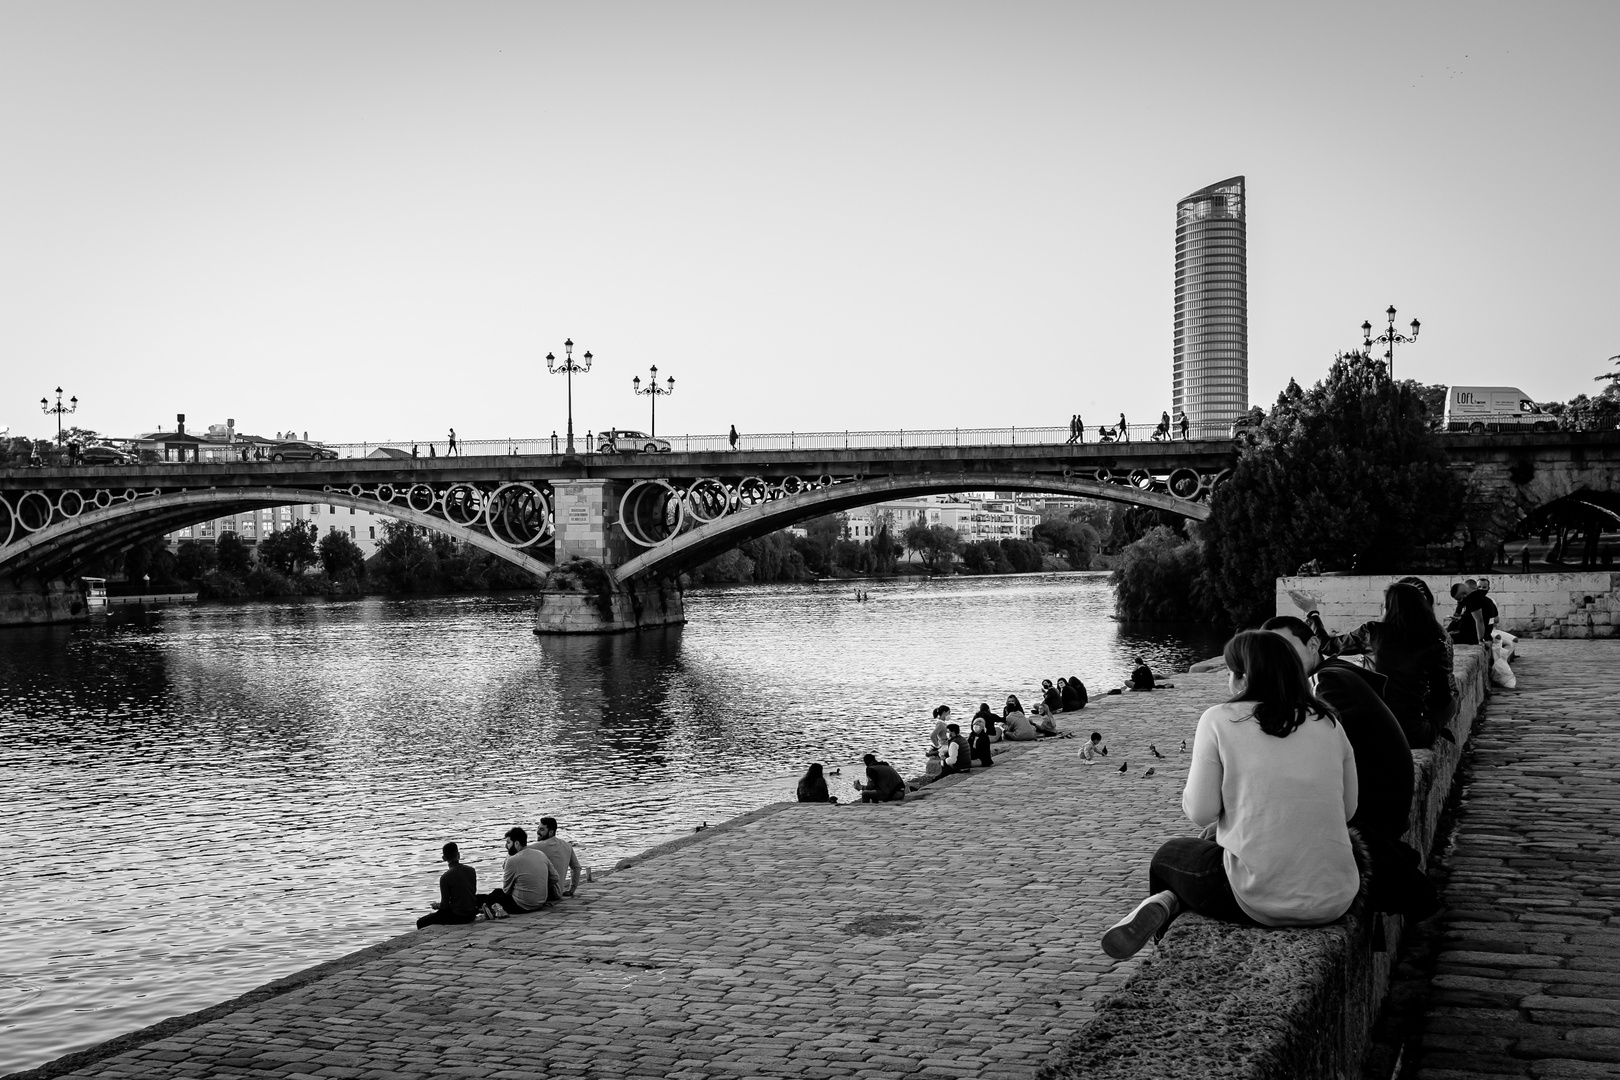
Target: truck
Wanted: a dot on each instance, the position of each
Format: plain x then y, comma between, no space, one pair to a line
1478,409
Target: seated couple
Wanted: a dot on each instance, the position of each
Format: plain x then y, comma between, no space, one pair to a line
531,878
1281,772
1017,727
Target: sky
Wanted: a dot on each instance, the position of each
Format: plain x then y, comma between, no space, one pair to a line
371,221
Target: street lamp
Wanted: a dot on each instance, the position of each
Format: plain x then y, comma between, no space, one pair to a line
59,409
568,367
655,392
1389,338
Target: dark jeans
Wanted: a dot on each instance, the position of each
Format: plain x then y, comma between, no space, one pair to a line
433,917
1191,868
870,795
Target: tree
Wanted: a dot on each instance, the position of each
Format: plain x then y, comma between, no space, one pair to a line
150,558
885,551
1075,540
195,559
405,559
1345,473
936,545
1161,577
1025,557
232,555
342,558
290,550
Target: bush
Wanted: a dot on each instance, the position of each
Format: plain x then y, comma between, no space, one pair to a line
263,581
219,585
1160,578
1025,557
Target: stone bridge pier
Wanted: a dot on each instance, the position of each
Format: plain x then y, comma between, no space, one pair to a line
583,594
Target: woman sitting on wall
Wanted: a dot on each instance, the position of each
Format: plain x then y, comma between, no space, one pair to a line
1074,694
813,785
1014,724
1407,647
1273,772
990,721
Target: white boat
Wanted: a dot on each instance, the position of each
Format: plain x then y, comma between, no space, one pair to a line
95,593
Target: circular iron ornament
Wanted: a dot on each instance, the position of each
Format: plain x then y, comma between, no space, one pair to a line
651,512
355,490
752,490
708,500
421,498
790,485
1068,474
517,515
1141,478
825,480
385,493
62,504
464,504
1104,476
104,499
1184,483
8,522
129,494
41,513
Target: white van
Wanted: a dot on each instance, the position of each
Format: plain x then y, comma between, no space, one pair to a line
1478,409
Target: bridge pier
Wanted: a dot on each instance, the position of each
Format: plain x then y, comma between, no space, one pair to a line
32,602
582,595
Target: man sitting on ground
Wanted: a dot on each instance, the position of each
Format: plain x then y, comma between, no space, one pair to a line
1141,676
528,880
1476,613
561,854
883,783
458,892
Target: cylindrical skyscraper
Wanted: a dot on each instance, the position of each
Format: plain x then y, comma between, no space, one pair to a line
1211,366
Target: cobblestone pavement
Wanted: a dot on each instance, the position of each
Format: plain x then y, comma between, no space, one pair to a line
1527,976
954,935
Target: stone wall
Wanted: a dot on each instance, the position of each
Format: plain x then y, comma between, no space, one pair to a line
1221,1001
1581,604
48,602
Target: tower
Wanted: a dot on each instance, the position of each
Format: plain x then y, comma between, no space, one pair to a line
1210,376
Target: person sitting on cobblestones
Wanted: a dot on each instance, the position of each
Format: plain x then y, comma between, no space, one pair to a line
561,853
979,743
1095,750
1273,772
1074,694
991,720
1051,697
1409,649
1015,724
883,782
813,785
953,754
528,880
458,892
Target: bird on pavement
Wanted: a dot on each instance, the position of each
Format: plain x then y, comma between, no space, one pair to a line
1150,772
1154,750
1124,765
1183,746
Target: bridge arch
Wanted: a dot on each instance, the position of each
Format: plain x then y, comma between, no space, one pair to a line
687,549
64,547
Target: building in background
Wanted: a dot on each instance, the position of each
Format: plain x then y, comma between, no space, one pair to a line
362,526
1210,368
974,516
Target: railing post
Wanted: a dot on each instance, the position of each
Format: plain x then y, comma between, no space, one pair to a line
902,437
846,438
792,445
1015,435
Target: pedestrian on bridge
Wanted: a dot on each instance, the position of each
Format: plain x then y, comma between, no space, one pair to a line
1183,423
1079,429
1074,428
734,436
450,452
431,452
414,450
1124,429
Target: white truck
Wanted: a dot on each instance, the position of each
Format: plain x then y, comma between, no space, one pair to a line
1478,409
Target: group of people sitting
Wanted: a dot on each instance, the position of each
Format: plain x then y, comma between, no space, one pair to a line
532,878
1302,780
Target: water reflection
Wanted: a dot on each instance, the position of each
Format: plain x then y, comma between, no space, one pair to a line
228,794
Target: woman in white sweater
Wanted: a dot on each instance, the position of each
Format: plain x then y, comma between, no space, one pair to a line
1273,773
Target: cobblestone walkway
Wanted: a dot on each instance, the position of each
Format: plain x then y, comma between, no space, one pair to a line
1527,979
952,936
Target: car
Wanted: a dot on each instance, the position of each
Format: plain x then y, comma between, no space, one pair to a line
624,441
300,451
104,455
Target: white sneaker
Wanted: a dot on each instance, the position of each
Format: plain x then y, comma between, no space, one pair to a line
1125,938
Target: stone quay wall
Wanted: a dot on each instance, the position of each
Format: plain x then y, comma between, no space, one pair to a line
1225,1001
1584,604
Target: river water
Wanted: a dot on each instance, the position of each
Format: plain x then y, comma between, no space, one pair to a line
222,795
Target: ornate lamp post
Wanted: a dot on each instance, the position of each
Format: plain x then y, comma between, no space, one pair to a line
655,392
1388,338
568,367
59,409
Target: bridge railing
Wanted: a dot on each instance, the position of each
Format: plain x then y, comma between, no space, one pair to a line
897,438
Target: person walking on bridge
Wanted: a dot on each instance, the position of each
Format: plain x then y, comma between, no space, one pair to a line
1074,427
1183,423
734,436
1124,429
451,451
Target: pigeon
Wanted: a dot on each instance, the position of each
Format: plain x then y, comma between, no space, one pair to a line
1124,765
1150,772
1183,746
1154,750
701,827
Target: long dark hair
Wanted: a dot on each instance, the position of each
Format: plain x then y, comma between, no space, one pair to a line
1408,621
1276,682
1013,705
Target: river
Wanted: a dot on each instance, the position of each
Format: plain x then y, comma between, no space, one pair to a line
221,795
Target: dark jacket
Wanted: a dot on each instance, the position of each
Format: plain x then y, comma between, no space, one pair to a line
1384,774
1074,695
813,789
889,785
458,888
979,748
